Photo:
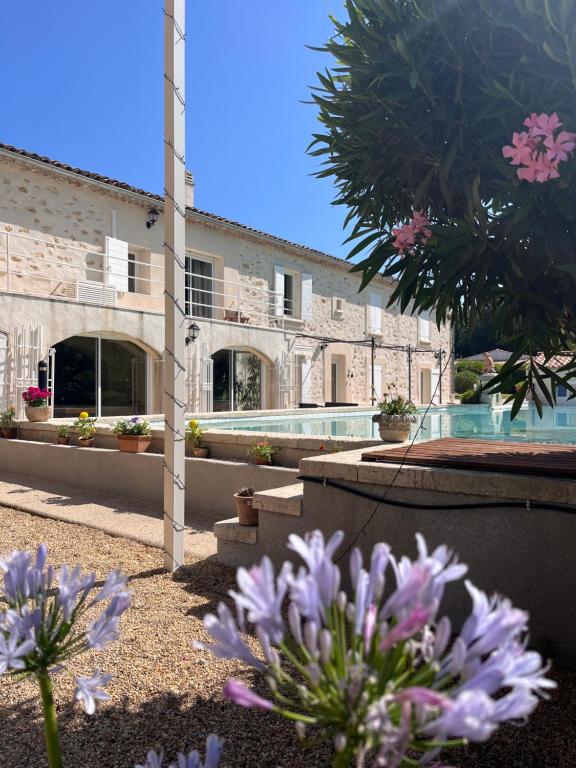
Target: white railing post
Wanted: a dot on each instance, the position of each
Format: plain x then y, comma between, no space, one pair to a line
174,293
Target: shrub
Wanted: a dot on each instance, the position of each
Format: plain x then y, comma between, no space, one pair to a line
427,115
476,366
465,381
472,397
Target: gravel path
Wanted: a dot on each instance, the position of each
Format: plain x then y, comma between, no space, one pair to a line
166,694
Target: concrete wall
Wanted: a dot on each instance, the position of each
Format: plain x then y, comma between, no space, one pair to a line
210,483
66,210
523,553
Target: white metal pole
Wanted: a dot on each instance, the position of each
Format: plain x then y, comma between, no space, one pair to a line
174,255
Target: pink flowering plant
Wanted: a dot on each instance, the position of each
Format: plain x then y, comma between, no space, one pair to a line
540,150
50,616
380,671
36,397
450,136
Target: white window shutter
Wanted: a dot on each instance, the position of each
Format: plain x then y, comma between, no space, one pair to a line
117,263
375,314
378,382
423,328
305,380
306,296
278,290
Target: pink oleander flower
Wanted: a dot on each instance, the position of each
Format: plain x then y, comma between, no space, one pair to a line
540,150
406,236
378,670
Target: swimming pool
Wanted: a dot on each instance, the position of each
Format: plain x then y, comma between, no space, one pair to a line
558,425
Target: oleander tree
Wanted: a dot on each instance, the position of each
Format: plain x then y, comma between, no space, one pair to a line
448,131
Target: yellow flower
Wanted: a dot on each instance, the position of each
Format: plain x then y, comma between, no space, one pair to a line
84,415
192,423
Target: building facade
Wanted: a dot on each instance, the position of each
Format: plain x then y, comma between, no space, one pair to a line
82,282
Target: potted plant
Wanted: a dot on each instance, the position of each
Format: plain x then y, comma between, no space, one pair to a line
133,435
63,435
194,435
37,407
84,426
8,426
247,515
263,451
395,418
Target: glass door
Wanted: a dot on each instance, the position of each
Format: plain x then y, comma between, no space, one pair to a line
199,287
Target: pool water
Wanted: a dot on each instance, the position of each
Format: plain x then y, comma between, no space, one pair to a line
558,425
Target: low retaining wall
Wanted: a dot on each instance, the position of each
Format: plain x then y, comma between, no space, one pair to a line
520,551
224,444
210,483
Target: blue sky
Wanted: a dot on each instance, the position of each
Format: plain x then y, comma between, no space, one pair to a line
82,83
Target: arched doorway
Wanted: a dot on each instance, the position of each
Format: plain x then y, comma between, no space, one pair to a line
238,380
104,376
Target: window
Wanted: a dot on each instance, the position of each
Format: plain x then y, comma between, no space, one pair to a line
424,328
289,295
199,291
132,273
337,306
561,391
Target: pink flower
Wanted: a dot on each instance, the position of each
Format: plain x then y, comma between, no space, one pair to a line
541,170
522,149
542,124
539,150
240,694
559,147
406,234
406,629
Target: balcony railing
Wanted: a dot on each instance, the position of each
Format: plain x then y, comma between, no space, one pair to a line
33,266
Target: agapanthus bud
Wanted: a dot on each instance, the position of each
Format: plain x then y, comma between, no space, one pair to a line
311,638
340,742
300,729
341,601
295,621
325,645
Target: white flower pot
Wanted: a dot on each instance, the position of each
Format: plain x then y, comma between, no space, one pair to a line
38,413
394,429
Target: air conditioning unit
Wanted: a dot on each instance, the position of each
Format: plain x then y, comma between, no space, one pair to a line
92,292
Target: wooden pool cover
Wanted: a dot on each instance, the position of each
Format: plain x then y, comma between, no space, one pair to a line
484,455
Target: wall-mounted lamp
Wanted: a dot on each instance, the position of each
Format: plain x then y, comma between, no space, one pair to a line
153,215
193,332
323,346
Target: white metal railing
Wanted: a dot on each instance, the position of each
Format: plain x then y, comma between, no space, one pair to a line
36,266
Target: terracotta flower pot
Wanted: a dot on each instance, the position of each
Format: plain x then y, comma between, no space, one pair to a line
63,440
134,443
200,453
247,515
85,442
394,429
263,461
38,413
10,433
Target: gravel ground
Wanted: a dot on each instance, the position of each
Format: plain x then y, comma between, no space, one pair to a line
165,694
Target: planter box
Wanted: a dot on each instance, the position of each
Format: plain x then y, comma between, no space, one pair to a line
134,443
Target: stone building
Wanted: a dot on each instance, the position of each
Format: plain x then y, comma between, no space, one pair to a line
82,281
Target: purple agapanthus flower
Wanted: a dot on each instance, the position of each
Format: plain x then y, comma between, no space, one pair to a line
214,747
91,689
386,656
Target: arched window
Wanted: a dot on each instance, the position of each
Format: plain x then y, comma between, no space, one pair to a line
106,377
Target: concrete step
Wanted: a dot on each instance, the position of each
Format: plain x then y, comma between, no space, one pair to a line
283,501
231,530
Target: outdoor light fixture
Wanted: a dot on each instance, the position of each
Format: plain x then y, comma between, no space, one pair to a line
192,335
153,215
